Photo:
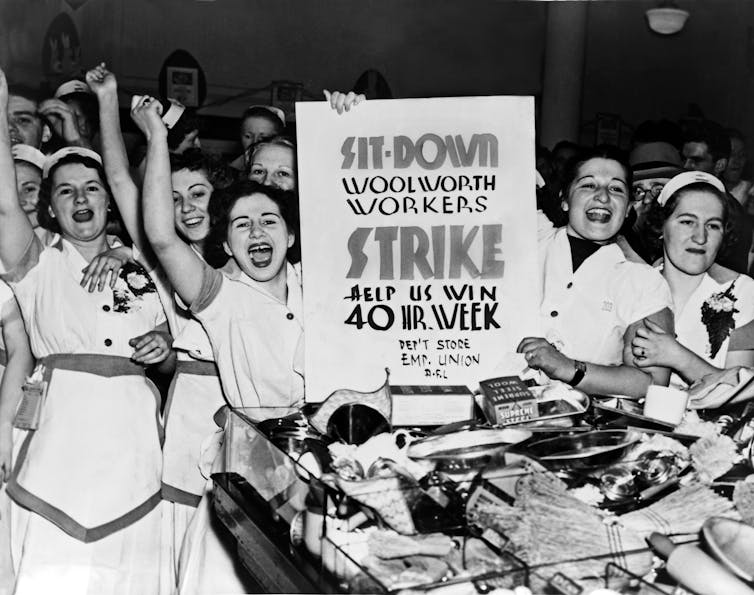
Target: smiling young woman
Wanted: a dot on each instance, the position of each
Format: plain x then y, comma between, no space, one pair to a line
98,432
594,296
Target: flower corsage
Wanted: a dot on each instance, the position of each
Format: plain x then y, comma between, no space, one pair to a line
138,280
717,316
137,283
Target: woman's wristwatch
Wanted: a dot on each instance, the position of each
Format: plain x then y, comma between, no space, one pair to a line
580,372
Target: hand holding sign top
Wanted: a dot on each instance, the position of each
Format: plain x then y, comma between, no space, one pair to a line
341,102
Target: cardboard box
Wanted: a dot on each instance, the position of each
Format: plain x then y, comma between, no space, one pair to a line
425,405
507,400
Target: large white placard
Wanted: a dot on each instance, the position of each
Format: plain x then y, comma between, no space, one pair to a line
418,233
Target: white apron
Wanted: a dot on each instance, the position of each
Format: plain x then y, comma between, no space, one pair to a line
93,465
194,397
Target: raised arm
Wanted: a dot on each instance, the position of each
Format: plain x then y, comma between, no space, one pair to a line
17,231
115,159
182,265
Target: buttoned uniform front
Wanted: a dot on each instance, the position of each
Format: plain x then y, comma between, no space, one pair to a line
585,313
90,474
257,340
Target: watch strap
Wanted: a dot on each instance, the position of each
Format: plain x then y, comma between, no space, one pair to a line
580,373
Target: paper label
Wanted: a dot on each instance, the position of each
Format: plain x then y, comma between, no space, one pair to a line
29,409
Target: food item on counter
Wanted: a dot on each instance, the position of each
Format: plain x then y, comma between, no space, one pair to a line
743,498
392,446
558,398
692,425
386,496
588,494
658,443
683,511
406,572
713,456
557,407
389,544
475,557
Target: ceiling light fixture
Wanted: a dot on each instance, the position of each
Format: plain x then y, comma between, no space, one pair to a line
667,19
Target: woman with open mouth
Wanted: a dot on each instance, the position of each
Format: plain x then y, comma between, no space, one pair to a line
253,320
712,304
97,431
594,295
255,225
195,393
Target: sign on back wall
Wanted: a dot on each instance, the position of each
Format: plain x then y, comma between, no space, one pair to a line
418,238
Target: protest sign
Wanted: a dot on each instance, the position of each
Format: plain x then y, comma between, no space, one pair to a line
418,233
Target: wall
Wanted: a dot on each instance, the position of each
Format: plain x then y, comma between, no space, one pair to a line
641,75
423,47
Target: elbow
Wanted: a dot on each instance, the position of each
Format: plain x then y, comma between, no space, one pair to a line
160,238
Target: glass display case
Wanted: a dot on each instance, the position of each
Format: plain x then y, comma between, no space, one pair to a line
297,532
301,527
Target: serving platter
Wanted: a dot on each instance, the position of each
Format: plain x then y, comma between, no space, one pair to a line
625,414
584,449
476,440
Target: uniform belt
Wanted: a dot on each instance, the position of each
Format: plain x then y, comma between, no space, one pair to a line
196,367
107,366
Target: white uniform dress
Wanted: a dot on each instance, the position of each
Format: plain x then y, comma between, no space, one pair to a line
693,333
88,479
194,396
585,314
257,340
258,346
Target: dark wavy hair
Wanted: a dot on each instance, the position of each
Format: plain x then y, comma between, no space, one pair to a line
222,204
712,134
259,111
45,190
658,215
218,173
600,152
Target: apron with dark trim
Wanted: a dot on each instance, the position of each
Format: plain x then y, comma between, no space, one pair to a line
195,395
93,466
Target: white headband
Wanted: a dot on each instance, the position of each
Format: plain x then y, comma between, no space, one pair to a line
64,152
29,154
685,179
73,86
174,113
276,111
